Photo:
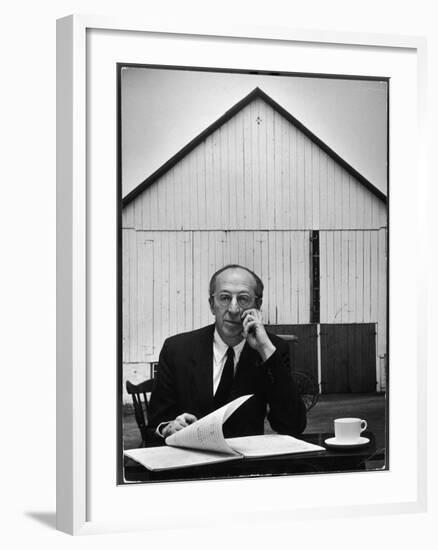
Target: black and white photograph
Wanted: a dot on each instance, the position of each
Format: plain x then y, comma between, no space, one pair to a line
219,284
253,273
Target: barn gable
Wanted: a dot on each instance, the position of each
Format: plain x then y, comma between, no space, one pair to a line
258,188
256,167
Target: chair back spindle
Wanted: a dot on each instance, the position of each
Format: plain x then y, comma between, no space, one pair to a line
140,401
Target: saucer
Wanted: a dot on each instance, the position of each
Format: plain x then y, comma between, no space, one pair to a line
336,444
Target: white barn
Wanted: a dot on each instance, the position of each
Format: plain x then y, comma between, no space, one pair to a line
259,189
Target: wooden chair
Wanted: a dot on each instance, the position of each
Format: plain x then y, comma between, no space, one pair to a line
139,394
307,387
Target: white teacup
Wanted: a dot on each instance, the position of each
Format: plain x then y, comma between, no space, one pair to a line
349,429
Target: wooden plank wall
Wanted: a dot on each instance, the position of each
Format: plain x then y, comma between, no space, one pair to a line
353,279
250,194
256,172
166,276
348,353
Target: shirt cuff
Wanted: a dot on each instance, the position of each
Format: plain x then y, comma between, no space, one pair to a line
159,429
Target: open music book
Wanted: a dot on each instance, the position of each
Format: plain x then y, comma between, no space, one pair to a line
203,442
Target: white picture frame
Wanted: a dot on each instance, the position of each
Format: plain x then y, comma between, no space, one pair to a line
87,501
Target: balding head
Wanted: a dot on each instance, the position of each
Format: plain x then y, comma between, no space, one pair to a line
258,284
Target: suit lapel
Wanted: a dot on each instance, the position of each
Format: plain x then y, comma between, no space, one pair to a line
202,370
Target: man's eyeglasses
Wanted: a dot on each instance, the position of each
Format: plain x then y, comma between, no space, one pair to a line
244,301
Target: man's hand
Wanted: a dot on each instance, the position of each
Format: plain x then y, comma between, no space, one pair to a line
180,422
255,334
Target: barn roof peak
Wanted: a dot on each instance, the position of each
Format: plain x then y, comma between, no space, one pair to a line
255,93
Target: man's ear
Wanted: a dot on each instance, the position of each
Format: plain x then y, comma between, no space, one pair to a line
210,303
258,303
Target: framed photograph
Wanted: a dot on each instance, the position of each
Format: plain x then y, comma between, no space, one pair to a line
231,213
233,178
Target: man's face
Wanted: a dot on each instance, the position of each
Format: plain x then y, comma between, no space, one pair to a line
234,292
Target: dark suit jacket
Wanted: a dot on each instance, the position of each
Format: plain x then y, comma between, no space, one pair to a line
185,384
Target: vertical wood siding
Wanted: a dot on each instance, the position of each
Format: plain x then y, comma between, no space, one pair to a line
257,171
166,276
353,275
348,355
353,278
250,193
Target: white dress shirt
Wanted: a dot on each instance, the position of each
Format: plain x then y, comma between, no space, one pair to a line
220,356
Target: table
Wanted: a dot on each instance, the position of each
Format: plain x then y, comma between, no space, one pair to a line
339,460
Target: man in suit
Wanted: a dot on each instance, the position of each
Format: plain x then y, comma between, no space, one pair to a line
200,371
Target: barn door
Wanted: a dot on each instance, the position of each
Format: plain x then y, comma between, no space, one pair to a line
348,358
137,296
143,331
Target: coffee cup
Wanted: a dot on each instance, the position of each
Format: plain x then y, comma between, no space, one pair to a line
349,429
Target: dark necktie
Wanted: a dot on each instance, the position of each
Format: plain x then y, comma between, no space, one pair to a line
222,394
